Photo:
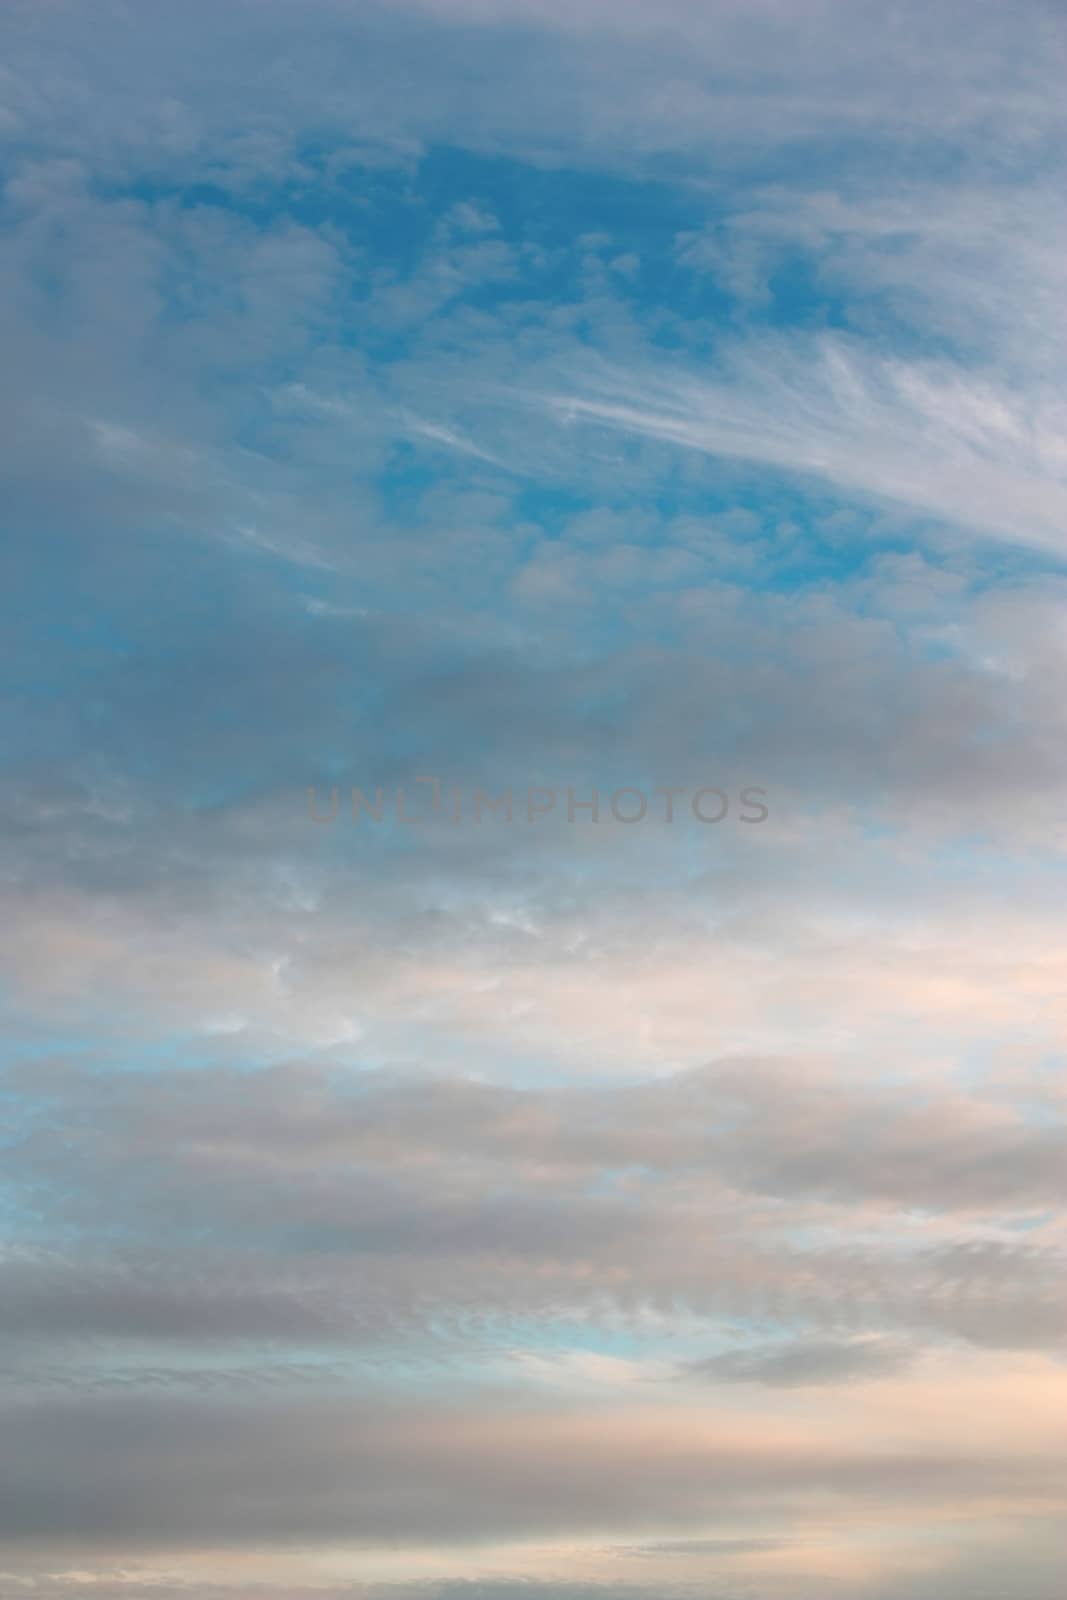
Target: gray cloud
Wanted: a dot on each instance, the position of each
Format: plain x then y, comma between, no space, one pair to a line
309,1204
149,1470
806,1361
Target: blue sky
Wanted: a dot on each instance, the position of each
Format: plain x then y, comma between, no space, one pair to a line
550,398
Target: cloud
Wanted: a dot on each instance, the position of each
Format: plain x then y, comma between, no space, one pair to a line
169,1471
596,396
803,1362
947,442
310,1206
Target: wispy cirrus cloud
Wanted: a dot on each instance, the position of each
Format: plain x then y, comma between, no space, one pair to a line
951,444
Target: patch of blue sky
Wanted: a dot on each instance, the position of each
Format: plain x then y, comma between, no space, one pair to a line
560,223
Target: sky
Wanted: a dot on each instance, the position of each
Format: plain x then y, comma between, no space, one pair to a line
533,769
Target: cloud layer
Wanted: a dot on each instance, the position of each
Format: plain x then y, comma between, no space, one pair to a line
532,396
